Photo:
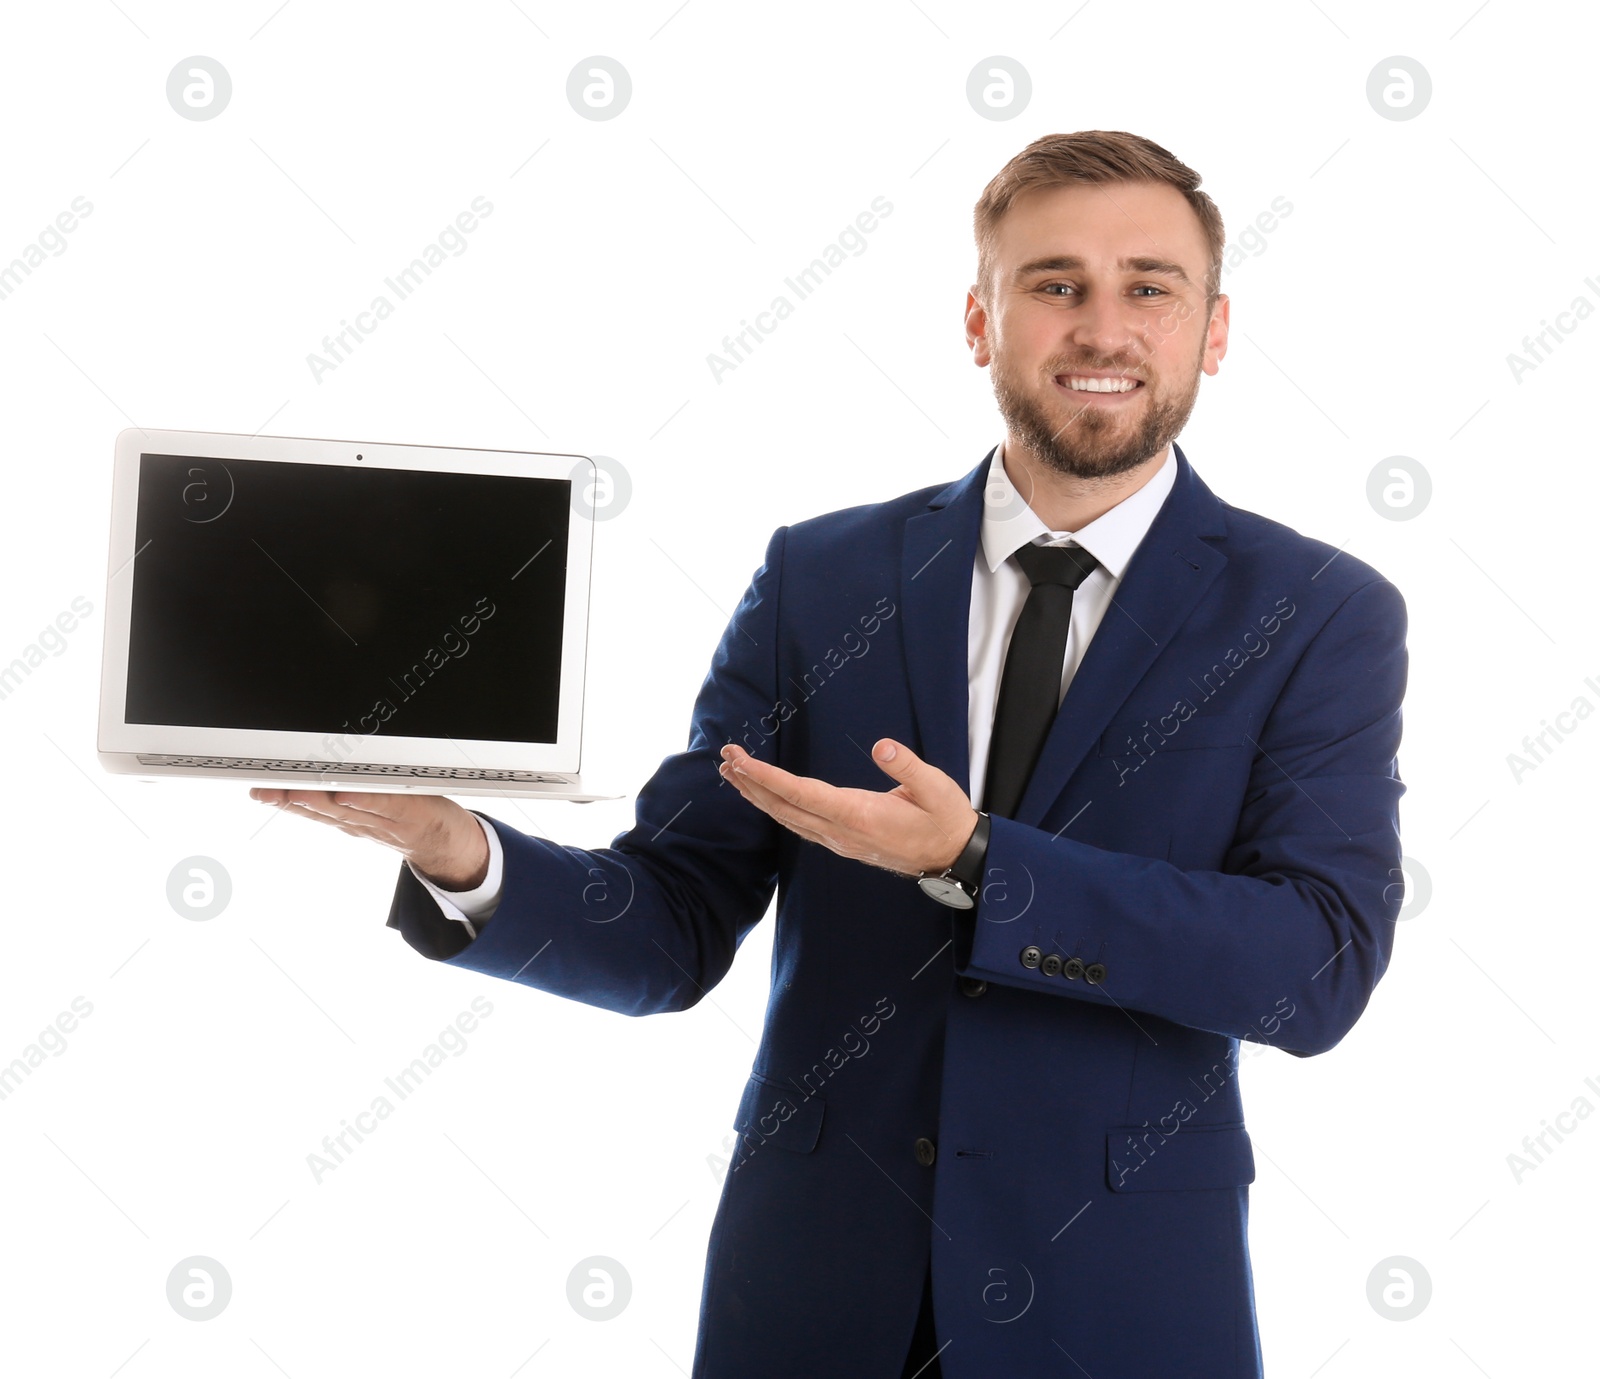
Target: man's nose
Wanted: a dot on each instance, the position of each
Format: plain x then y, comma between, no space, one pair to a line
1108,328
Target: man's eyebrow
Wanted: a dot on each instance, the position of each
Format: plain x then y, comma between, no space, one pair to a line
1071,263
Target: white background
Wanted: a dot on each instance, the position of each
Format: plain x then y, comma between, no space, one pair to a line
1375,319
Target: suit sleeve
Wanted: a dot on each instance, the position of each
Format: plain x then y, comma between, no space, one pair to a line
1286,942
652,922
471,908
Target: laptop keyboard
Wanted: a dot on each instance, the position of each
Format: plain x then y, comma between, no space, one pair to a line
349,768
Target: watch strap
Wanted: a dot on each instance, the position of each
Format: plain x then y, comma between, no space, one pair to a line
968,867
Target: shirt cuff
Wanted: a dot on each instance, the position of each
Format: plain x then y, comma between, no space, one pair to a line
479,903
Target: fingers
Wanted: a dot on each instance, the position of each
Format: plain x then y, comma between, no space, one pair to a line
268,794
391,811
370,818
346,820
898,761
387,803
431,831
388,806
808,824
838,835
811,796
909,829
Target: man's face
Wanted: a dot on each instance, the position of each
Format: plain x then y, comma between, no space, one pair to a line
1107,281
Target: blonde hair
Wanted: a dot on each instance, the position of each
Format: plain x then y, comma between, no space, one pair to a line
1093,157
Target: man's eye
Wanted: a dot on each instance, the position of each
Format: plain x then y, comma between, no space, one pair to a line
1068,287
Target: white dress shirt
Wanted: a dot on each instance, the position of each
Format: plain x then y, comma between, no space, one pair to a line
999,589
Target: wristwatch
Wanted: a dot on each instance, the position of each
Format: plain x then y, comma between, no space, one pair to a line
957,885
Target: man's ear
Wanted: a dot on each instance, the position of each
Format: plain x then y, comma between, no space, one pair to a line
1216,336
977,325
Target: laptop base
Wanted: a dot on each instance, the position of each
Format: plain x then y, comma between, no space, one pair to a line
305,775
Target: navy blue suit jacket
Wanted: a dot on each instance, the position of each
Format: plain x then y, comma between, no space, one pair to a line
1042,1090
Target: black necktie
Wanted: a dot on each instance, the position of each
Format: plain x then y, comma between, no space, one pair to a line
1030,685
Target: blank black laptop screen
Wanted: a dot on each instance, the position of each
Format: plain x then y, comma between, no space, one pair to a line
338,599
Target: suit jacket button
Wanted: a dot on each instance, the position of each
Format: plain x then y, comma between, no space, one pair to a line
1072,969
973,986
925,1152
1051,964
1031,956
1095,972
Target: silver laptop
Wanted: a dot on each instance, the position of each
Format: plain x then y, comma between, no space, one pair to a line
323,614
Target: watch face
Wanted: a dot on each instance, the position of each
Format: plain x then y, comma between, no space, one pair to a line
945,891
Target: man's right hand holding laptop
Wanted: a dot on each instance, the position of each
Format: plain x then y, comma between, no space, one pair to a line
436,835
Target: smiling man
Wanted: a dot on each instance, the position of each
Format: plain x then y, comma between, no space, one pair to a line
1131,798
1106,399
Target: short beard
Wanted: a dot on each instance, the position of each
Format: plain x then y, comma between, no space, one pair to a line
1080,448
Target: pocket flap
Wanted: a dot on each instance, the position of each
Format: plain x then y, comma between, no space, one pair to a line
773,1112
1150,736
1139,1159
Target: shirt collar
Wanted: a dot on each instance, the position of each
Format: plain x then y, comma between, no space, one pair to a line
1009,523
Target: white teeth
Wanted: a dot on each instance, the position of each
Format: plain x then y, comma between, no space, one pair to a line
1101,385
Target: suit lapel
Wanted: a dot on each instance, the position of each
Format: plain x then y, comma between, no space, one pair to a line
1167,576
936,601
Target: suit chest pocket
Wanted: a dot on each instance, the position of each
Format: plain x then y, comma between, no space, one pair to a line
1134,740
